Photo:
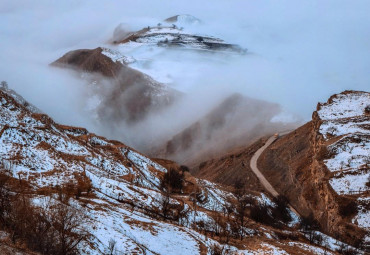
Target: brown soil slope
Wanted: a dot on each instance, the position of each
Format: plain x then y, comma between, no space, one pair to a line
130,94
232,167
295,166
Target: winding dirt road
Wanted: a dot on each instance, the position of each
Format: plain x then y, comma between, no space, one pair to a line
265,183
253,164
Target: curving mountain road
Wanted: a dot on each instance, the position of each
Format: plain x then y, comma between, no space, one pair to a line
253,164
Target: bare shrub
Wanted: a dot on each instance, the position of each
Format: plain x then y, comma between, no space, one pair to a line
260,213
173,180
281,211
216,249
111,247
51,229
308,223
348,209
367,109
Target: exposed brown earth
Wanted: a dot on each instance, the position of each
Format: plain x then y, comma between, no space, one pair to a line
227,169
294,166
130,94
90,61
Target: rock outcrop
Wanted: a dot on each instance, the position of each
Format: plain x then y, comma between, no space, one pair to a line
323,167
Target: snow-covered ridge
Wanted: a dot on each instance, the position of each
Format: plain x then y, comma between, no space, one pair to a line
173,36
19,98
117,56
32,145
345,127
344,105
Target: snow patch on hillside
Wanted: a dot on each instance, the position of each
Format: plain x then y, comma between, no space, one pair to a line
350,184
116,56
345,105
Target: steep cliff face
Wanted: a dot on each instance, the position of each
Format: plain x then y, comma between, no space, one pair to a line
323,167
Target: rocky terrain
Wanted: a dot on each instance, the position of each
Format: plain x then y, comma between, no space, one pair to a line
124,198
323,166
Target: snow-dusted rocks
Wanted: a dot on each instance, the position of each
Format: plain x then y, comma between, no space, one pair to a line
174,36
345,128
345,123
117,56
32,146
345,105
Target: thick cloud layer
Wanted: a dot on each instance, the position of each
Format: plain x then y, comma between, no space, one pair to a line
300,52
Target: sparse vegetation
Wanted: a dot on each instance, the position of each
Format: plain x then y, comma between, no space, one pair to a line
216,249
367,109
281,211
51,228
262,213
173,180
308,223
184,168
346,250
349,208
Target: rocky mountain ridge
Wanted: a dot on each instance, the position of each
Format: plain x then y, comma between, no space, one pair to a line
322,167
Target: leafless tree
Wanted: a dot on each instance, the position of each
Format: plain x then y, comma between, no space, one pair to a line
112,246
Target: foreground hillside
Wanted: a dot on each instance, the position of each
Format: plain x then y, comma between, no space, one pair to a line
65,190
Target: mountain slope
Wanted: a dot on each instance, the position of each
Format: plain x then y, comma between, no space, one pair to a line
323,168
120,196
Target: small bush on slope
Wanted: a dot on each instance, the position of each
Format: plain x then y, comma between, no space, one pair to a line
54,228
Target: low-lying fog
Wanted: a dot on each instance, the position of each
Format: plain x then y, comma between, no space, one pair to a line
299,53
